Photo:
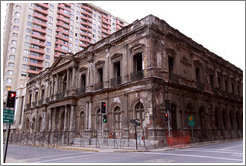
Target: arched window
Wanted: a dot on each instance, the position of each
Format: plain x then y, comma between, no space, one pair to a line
139,113
82,121
40,124
173,117
117,118
231,120
64,83
224,119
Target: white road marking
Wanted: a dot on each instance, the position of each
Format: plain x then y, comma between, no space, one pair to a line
63,158
231,147
199,156
208,150
214,149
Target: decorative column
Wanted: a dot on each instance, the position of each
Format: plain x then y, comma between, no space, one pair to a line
68,83
65,119
72,125
73,78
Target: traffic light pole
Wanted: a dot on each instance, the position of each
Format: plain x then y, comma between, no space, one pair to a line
136,136
168,123
6,142
102,129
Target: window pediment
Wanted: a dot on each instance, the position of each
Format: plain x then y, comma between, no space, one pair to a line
99,63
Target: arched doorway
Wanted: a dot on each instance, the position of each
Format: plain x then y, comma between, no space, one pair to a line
173,117
117,121
81,123
231,120
203,123
224,119
139,113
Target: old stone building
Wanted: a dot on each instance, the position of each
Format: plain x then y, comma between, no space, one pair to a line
135,71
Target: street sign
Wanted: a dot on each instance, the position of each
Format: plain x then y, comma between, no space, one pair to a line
8,116
191,120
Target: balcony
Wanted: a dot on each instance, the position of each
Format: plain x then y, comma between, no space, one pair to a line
41,51
41,44
33,71
98,86
58,48
40,65
119,23
60,23
106,17
63,13
44,5
60,36
86,19
60,42
174,77
86,8
86,24
34,103
85,29
43,31
67,4
60,95
85,35
85,40
64,19
83,45
41,23
106,27
200,85
40,16
80,91
60,29
36,57
40,10
115,81
107,32
86,13
137,75
63,6
40,37
106,22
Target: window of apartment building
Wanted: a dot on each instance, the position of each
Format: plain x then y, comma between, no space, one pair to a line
137,62
10,72
50,18
9,80
51,6
29,24
76,41
47,50
47,56
14,35
26,52
77,18
25,59
30,17
48,37
11,64
16,28
219,82
47,64
30,10
100,75
71,32
23,74
13,42
71,26
13,49
212,81
17,14
99,17
11,57
50,25
27,44
48,43
18,7
70,38
31,4
197,74
72,16
49,31
71,21
27,37
232,87
170,64
17,21
28,30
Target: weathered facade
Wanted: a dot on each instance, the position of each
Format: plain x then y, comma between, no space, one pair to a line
135,70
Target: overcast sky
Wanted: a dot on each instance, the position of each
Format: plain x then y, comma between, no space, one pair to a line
218,26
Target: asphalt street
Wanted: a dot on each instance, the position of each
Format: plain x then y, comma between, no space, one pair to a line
226,152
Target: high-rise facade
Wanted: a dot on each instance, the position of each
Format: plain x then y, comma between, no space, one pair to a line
35,34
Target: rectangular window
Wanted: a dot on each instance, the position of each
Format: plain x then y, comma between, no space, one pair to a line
16,28
29,24
100,75
27,37
197,74
25,59
13,42
170,64
14,35
24,66
17,21
226,86
47,56
17,14
48,43
10,64
212,81
83,80
50,18
28,30
30,17
26,52
47,50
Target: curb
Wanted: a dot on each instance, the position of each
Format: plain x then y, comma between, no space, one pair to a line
89,150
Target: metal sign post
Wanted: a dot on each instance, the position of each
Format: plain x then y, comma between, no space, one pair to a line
191,120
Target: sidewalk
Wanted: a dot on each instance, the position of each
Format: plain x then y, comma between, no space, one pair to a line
93,148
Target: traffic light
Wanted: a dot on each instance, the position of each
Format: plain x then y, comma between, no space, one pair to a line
104,118
11,99
103,107
166,116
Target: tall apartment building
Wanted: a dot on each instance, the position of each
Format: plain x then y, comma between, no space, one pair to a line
35,34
